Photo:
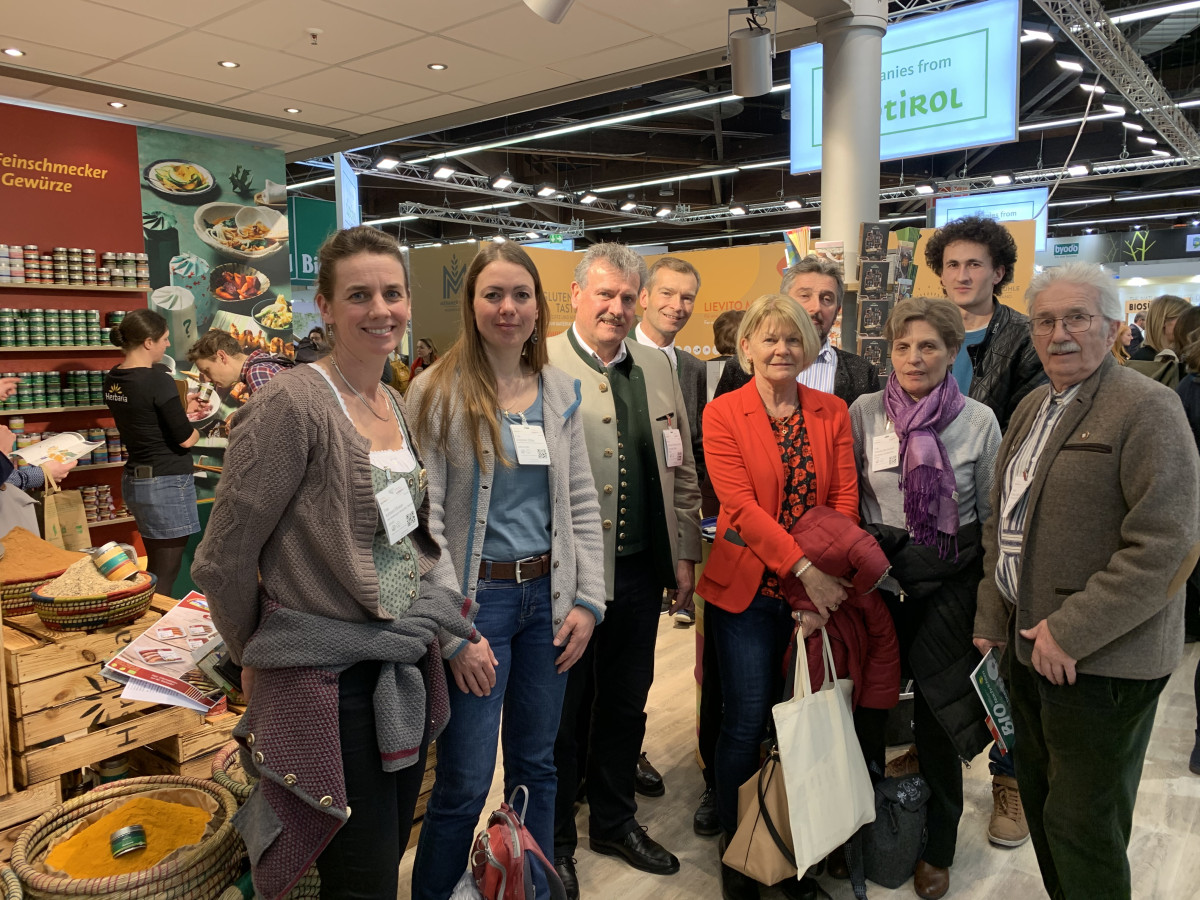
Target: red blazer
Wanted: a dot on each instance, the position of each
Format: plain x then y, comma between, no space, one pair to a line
747,473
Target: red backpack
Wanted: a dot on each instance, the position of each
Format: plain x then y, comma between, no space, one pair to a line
500,857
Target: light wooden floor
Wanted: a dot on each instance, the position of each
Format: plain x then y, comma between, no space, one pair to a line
1164,851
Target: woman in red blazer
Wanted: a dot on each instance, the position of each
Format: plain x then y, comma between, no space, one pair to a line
774,448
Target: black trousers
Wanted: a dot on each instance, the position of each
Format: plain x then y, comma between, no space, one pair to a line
712,704
362,862
620,657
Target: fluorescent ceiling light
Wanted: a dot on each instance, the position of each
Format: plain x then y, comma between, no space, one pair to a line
1089,202
303,184
486,206
441,172
1142,139
1161,153
1092,88
708,173
1032,34
1139,14
389,221
1114,109
905,219
1132,126
1074,120
766,164
1116,219
1069,64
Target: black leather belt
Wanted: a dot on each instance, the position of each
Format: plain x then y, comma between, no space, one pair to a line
518,571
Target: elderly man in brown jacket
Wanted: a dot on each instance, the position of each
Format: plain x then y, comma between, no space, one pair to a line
1094,534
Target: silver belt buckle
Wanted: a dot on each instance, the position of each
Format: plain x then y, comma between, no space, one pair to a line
521,562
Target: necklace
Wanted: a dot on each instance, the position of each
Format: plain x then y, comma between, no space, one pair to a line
370,409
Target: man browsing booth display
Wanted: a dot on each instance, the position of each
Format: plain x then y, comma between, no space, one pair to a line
818,286
996,365
221,360
636,426
1093,537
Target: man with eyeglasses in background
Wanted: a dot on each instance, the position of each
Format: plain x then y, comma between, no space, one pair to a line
1094,534
997,365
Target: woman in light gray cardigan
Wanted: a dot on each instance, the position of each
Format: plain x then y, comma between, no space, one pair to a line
495,422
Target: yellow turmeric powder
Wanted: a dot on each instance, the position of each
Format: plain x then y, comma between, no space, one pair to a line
169,826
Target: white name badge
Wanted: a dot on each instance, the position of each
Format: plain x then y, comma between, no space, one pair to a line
397,510
673,447
530,444
1020,486
885,451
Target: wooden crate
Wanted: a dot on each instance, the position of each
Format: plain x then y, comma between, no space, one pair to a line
62,713
208,737
22,806
144,761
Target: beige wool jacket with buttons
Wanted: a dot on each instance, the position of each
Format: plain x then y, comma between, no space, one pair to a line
680,490
460,495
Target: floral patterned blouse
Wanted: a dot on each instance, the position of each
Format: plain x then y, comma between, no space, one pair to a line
799,485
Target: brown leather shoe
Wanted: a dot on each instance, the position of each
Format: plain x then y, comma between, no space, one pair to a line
931,882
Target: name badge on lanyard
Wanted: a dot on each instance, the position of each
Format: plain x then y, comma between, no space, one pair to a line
530,443
672,445
885,450
397,510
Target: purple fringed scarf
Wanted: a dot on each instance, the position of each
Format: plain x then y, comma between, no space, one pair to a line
926,475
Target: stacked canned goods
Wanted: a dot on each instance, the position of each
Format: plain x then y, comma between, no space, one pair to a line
111,450
45,390
51,328
26,264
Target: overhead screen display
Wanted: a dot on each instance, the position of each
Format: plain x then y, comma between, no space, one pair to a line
949,81
1003,206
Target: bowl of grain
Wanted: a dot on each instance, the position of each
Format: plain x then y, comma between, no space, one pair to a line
81,599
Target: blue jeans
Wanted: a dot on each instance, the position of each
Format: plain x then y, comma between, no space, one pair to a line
517,620
1001,763
750,650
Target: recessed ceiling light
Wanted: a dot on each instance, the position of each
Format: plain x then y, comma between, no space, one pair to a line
294,110
13,51
443,172
227,64
116,104
437,67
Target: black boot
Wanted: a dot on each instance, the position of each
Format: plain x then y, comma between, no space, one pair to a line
735,885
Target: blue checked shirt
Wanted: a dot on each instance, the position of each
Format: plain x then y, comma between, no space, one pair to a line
1018,475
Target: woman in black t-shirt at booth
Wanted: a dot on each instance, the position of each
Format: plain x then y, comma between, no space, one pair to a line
157,482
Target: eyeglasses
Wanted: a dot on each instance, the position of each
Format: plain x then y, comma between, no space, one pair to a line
1075,323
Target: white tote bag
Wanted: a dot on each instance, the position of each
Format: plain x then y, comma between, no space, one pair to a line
830,795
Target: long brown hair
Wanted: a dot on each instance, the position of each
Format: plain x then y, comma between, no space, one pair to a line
462,380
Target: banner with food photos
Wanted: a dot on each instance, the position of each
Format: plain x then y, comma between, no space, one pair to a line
214,218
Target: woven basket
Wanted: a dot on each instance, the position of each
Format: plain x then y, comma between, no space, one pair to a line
16,597
103,611
10,883
202,873
228,773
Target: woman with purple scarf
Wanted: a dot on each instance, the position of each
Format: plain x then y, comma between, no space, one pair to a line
926,456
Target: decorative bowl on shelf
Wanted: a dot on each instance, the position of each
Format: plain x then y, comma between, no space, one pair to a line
103,611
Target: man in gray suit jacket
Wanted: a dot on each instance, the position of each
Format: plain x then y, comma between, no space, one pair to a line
667,302
1092,537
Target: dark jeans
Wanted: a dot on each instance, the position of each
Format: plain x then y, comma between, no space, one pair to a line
1082,749
521,711
750,649
362,862
711,703
621,658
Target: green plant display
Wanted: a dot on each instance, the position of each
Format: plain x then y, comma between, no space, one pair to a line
1137,247
240,179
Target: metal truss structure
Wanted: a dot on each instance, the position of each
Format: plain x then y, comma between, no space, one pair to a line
500,222
1103,43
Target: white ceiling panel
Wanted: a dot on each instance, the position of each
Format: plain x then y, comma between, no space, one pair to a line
355,92
432,17
16,89
197,54
363,124
160,82
582,31
222,128
179,14
665,17
272,105
283,25
97,105
530,81
410,63
430,107
84,27
618,59
49,58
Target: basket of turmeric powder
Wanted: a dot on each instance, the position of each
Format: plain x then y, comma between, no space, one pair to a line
192,851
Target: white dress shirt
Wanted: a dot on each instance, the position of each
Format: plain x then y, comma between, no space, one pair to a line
621,351
820,375
644,339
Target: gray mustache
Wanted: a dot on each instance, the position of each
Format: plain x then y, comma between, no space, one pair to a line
1064,347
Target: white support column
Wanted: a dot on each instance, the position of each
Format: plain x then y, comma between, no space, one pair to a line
852,53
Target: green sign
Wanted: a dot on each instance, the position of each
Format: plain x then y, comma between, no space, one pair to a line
1071,249
556,238
309,223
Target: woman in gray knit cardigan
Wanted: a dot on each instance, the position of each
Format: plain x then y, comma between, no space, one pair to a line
514,506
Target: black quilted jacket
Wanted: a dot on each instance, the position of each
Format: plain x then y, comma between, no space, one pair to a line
1005,365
